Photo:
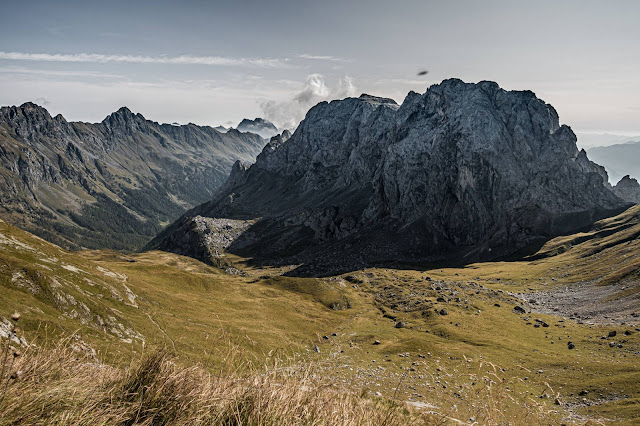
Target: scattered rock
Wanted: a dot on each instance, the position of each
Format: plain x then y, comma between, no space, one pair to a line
542,323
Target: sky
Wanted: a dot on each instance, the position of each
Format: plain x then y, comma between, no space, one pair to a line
216,62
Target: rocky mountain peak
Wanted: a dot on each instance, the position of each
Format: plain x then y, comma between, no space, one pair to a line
255,121
628,189
259,126
28,111
124,114
124,122
31,120
466,169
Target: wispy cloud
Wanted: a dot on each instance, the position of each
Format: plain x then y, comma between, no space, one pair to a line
110,34
42,101
57,73
137,59
321,58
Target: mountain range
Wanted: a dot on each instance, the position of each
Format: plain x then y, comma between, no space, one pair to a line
259,126
464,171
619,159
112,184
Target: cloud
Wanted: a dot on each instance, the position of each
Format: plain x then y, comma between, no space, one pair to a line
109,34
42,101
56,73
288,114
137,59
321,58
346,87
314,88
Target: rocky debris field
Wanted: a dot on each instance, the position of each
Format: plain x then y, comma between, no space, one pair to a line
588,302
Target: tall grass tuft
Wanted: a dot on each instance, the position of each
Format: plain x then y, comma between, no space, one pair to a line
62,386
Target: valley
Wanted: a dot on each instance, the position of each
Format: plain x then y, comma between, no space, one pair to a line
476,342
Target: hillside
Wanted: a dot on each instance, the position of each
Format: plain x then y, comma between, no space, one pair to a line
446,341
112,184
463,172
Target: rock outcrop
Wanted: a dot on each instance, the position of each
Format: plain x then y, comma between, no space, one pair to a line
111,184
628,189
463,171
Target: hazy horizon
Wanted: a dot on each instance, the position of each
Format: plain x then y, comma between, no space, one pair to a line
216,63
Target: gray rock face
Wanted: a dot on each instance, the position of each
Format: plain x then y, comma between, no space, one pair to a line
628,189
110,184
207,238
468,171
259,126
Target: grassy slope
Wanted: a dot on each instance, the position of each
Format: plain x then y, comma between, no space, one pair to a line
178,301
203,312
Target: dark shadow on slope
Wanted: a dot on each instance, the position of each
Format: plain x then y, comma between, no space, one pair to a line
393,247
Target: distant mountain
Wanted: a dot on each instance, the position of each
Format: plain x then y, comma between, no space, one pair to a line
619,160
628,189
221,129
591,140
259,126
112,184
463,171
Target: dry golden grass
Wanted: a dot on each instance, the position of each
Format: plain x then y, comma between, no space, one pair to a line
61,386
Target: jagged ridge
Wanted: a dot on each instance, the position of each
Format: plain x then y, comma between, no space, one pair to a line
110,184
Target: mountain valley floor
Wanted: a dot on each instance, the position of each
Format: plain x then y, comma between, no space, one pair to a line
477,344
